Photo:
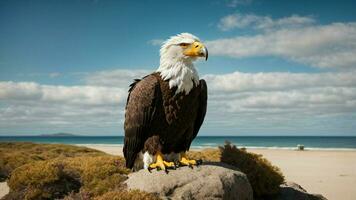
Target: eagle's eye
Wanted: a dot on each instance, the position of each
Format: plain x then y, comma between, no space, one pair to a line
183,44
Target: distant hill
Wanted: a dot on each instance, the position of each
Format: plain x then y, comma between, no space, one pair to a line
59,135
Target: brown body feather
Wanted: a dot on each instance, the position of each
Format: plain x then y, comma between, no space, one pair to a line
158,119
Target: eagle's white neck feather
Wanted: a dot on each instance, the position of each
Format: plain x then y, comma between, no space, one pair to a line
180,74
176,67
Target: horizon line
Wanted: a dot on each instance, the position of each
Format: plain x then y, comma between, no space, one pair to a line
79,135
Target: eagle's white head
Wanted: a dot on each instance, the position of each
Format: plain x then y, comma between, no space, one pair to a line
176,63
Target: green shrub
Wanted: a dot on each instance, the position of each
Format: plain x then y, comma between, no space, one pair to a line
262,175
16,154
42,180
48,171
59,177
212,155
99,174
127,195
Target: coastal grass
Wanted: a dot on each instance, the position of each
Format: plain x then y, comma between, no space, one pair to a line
127,195
118,194
264,177
56,178
16,154
53,171
210,155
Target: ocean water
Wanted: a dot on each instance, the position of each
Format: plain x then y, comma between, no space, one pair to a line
282,142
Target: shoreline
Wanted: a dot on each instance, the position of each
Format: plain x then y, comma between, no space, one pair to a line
199,148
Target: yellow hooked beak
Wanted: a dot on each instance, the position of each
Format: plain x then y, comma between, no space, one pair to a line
196,49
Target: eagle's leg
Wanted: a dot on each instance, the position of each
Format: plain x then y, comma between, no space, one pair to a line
161,163
187,162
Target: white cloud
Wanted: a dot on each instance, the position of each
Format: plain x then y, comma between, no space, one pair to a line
115,78
235,21
50,75
282,102
82,95
315,101
31,106
235,3
272,92
156,42
96,106
238,20
323,46
54,74
277,81
237,101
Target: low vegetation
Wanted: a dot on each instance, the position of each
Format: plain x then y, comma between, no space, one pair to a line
51,171
58,177
127,195
13,155
211,155
262,175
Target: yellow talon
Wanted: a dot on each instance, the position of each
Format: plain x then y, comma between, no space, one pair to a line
185,161
160,163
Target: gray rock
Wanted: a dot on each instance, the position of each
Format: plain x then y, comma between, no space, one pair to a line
208,181
293,191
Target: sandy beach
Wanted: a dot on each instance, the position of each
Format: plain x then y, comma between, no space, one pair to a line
330,173
4,189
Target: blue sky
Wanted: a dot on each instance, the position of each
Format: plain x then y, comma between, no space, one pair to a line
276,67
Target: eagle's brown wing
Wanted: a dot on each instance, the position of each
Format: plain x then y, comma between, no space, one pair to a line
140,109
202,108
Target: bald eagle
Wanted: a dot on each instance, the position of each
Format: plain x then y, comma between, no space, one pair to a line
165,109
